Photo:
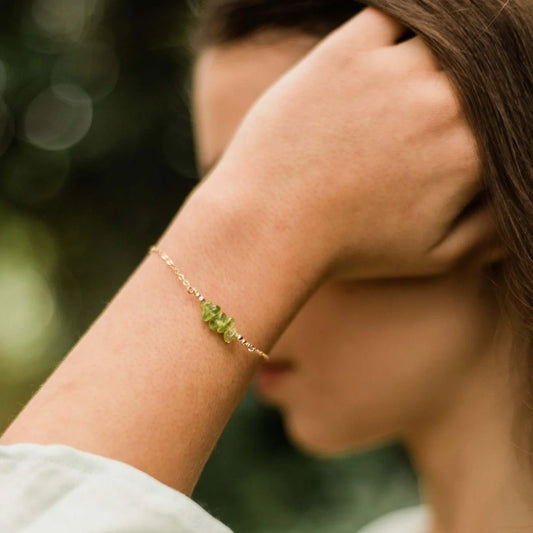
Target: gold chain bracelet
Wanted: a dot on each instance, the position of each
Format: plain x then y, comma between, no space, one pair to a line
211,313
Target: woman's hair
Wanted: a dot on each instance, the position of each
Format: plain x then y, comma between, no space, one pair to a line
486,48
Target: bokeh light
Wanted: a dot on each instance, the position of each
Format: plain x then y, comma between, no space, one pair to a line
59,117
63,19
93,66
30,318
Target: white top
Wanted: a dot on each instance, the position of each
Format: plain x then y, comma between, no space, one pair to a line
411,520
56,488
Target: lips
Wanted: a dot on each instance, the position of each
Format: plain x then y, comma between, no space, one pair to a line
272,373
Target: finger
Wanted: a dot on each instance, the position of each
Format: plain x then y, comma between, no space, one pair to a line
367,30
415,54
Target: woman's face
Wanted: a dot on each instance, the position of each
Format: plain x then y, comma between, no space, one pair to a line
372,360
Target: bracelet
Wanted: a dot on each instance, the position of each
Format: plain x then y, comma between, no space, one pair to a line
218,321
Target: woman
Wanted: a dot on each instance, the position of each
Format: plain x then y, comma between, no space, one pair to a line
371,211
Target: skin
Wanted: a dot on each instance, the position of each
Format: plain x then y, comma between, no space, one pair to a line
423,360
149,385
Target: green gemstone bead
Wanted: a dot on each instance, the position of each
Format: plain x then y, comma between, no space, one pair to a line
213,323
209,311
221,323
230,335
225,324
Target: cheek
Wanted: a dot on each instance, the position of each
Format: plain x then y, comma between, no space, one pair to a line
375,358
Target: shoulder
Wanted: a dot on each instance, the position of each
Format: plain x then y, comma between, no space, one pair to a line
410,520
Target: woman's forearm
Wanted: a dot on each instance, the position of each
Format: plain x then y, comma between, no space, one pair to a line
149,384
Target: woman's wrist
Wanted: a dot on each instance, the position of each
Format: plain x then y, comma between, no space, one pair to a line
245,254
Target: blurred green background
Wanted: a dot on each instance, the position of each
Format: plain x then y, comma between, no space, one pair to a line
96,156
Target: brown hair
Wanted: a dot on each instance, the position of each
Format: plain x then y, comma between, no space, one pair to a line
486,48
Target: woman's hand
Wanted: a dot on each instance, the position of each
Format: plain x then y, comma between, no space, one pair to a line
363,146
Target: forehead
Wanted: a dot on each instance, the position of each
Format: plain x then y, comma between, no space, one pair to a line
228,79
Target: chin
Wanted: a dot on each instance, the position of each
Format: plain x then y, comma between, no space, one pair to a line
323,442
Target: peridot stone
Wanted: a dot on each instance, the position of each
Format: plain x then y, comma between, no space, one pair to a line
230,335
218,321
209,311
213,322
221,322
225,323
